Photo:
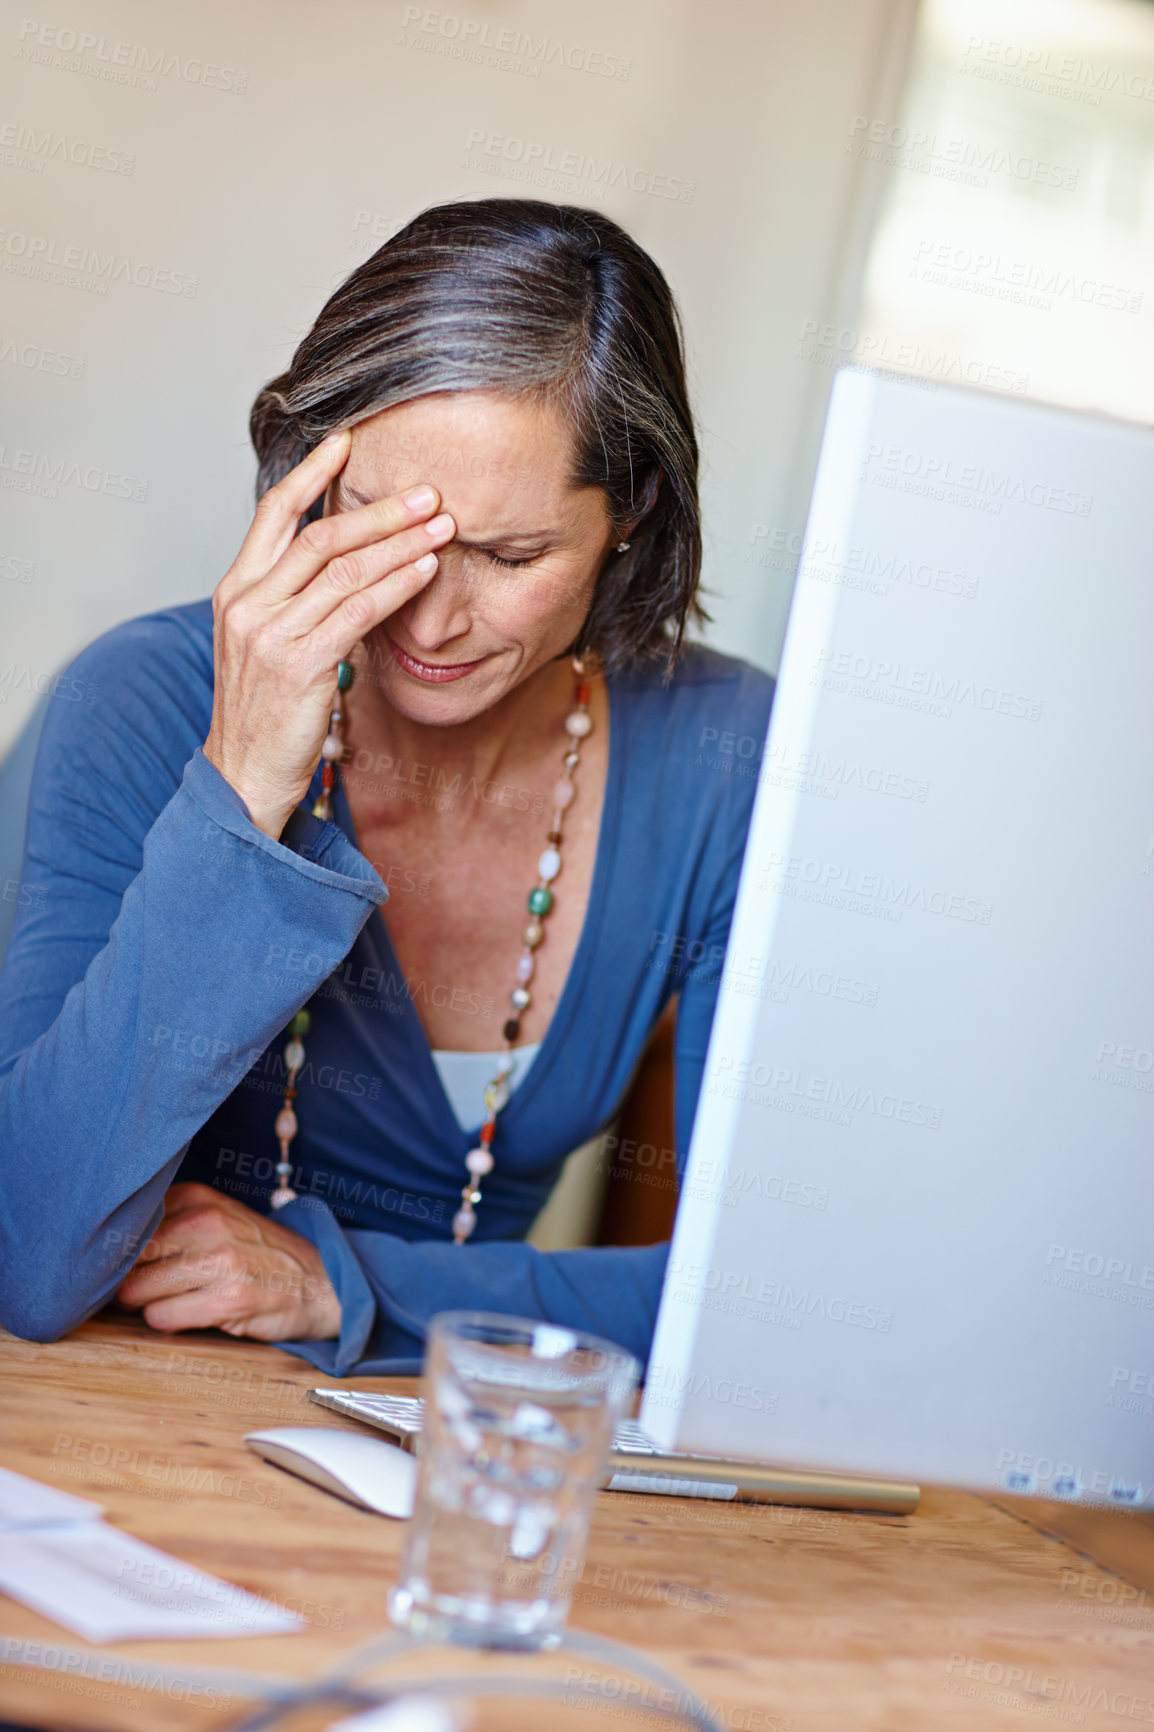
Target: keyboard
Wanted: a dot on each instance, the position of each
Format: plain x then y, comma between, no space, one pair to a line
638,1464
405,1414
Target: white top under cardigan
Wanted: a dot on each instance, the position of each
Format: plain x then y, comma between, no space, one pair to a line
466,1075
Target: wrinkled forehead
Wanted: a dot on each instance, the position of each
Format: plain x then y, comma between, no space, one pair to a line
496,461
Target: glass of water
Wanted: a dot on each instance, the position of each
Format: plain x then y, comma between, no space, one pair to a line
516,1430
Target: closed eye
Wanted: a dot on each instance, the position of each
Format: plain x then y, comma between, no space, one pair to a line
497,560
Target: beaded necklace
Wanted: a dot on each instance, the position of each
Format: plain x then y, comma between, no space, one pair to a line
479,1161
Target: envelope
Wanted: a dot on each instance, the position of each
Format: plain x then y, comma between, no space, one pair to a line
109,1587
25,1503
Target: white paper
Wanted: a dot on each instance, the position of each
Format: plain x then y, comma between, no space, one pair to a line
107,1586
25,1503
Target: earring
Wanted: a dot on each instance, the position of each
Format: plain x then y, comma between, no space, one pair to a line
623,547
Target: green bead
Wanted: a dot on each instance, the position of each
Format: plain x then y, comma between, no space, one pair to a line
344,676
299,1026
540,901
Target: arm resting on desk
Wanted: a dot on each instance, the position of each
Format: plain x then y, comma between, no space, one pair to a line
390,1289
156,902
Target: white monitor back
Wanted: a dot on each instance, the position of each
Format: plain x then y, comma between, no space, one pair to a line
916,1232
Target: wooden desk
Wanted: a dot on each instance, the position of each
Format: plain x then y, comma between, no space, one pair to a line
783,1620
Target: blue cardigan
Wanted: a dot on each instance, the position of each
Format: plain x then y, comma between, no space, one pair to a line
148,982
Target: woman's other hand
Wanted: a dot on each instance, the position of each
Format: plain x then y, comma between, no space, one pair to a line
215,1264
290,608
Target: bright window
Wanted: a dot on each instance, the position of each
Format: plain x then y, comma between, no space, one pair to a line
1015,246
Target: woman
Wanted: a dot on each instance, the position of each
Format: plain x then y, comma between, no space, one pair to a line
445,676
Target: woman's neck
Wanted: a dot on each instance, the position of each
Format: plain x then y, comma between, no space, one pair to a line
502,745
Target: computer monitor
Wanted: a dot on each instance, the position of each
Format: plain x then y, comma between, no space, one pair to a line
916,1229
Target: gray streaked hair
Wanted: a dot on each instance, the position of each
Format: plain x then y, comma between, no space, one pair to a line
524,298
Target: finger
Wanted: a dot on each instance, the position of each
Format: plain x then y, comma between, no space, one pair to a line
256,1294
164,1276
197,1231
206,1308
180,1196
267,1326
200,1218
346,533
413,550
280,509
352,621
176,1197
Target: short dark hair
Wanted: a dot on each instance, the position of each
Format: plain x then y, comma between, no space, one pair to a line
528,299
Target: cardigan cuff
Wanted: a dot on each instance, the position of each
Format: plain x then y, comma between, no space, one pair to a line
314,846
314,1221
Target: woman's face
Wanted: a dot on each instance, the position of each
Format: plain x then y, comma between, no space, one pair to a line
514,585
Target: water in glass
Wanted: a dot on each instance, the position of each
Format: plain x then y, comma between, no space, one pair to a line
518,1418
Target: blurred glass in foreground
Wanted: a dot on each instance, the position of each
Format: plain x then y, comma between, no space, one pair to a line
517,1425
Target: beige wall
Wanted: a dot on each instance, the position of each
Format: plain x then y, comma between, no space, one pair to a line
182,185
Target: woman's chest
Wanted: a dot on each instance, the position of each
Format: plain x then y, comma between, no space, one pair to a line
459,870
